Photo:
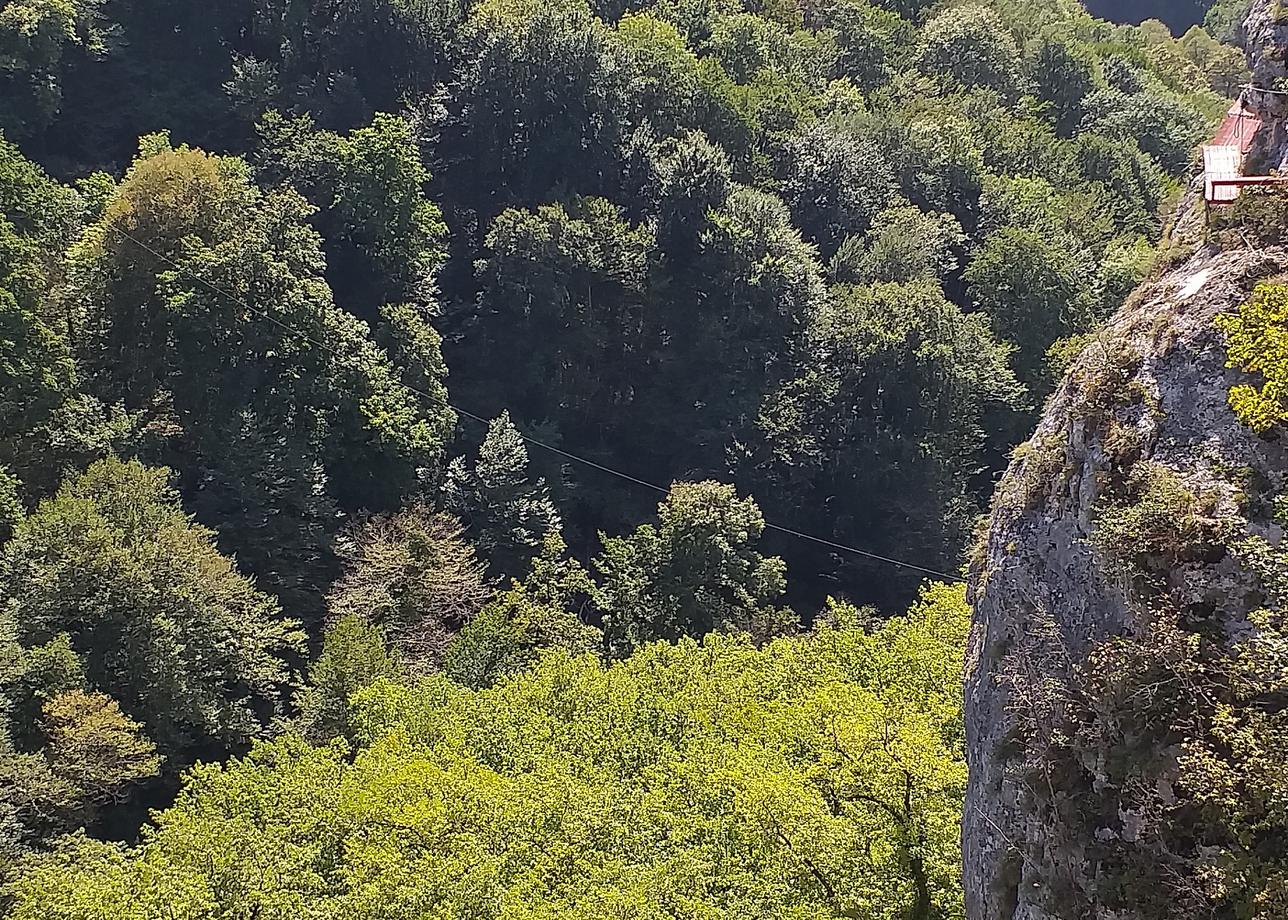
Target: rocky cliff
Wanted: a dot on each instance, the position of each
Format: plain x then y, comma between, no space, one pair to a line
1265,35
1125,687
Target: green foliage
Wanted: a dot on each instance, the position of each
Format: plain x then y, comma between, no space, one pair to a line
144,326
159,619
1124,176
94,748
1224,66
971,46
930,379
1163,126
1064,75
581,268
1258,216
545,99
818,777
385,240
92,756
37,37
905,244
33,677
11,509
838,181
341,60
1163,525
759,286
695,571
47,427
353,656
508,634
646,205
1257,343
1224,20
270,430
870,42
941,165
507,515
1031,291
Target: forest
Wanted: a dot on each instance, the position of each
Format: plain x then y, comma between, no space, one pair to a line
517,459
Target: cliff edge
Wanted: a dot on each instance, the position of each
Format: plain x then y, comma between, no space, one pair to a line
1127,675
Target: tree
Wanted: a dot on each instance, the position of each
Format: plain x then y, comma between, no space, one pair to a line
1257,343
92,756
1071,217
66,755
819,776
341,60
568,332
941,165
869,40
1163,126
685,177
11,509
385,240
509,634
665,73
1120,173
1224,20
909,9
160,621
48,426
910,663
877,440
1224,66
36,38
543,102
734,322
970,46
413,575
746,44
198,302
145,325
1029,289
693,572
563,308
1063,74
507,515
904,244
837,182
353,656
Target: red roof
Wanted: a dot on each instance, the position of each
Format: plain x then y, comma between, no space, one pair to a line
1238,129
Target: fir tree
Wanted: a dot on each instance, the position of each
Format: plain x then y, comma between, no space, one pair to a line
507,514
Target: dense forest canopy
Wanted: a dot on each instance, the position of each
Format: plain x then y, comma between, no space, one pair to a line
811,778
269,267
649,235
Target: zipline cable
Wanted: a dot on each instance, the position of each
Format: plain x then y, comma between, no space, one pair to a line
876,557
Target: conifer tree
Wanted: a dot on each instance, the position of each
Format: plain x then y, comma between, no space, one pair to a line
507,513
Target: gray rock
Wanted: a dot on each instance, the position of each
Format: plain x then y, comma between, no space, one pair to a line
1155,380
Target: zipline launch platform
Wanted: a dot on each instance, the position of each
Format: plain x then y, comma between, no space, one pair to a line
1224,157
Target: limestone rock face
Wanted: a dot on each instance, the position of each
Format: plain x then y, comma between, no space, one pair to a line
1266,41
1146,402
1151,390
